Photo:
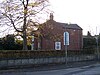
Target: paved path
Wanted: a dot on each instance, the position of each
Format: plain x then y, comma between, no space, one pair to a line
92,69
86,70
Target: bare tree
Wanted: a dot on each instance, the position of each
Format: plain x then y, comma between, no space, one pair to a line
16,14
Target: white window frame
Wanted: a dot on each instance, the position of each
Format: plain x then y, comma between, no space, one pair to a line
57,45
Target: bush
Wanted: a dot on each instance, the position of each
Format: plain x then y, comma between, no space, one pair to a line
18,54
15,54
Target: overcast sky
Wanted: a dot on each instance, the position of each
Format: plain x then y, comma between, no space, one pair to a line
86,13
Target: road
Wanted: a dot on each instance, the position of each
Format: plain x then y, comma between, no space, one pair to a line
93,69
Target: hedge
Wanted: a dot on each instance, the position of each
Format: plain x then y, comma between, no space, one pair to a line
16,54
19,54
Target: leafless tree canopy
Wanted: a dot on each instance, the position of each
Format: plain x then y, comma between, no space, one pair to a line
17,15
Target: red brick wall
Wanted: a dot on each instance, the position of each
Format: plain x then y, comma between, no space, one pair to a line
56,33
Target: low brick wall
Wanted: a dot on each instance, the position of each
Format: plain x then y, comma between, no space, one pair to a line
37,61
21,58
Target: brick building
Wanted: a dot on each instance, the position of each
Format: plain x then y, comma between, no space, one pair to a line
52,36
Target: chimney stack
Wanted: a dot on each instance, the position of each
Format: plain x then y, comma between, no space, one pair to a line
51,16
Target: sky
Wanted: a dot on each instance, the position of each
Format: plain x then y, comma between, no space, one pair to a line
85,13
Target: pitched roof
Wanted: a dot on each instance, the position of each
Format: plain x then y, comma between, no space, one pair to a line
64,25
71,26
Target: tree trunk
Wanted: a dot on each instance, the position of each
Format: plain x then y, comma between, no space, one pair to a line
25,41
25,27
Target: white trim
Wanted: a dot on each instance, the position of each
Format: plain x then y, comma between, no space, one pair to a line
57,45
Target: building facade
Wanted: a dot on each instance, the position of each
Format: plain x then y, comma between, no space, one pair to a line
52,36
